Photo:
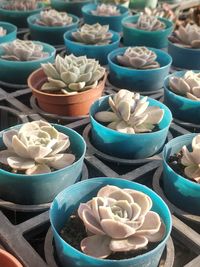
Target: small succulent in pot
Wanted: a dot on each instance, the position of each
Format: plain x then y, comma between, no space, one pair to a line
106,10
3,32
37,147
147,23
138,58
20,50
96,34
129,113
188,85
22,5
54,18
188,36
119,220
72,74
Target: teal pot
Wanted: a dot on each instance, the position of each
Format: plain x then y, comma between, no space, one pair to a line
182,108
135,79
99,52
141,4
136,37
11,32
67,202
72,7
42,188
51,35
184,58
18,17
135,146
114,22
182,192
17,72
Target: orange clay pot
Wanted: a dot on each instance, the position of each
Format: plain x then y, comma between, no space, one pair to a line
7,260
60,104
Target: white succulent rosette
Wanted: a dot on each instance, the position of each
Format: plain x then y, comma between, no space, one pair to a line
96,34
3,32
22,5
130,113
37,147
191,160
119,220
138,57
188,85
106,10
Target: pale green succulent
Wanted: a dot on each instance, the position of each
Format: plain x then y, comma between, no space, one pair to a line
54,18
37,147
20,4
2,32
72,74
93,34
106,10
20,50
130,113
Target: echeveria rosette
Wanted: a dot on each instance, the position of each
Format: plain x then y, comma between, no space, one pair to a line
119,220
130,113
2,32
191,160
22,5
37,147
53,18
188,85
95,34
106,10
138,57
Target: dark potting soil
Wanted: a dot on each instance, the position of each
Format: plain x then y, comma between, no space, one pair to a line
74,232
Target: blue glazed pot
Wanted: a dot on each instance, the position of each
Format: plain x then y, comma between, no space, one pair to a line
68,201
184,58
99,52
42,188
11,32
135,146
137,37
73,7
182,192
114,22
19,17
51,35
135,79
17,72
182,108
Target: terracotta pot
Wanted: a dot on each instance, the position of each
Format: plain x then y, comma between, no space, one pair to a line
60,104
7,260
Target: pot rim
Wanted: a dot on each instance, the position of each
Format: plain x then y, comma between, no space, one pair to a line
4,23
10,258
184,49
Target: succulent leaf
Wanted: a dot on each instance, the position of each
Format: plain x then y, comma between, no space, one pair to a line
23,5
106,10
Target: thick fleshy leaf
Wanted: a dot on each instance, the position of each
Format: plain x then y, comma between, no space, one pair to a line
192,171
38,169
81,208
120,195
90,222
124,110
105,213
18,163
106,116
126,208
174,85
63,162
186,159
107,190
95,205
76,86
151,224
155,115
50,71
69,77
4,155
131,243
157,236
96,246
60,146
7,137
38,151
53,133
192,97
19,148
123,127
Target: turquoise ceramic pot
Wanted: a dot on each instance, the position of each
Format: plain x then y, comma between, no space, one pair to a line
137,37
182,108
182,192
184,58
42,188
50,35
73,7
18,17
17,72
11,32
135,79
114,22
99,52
68,201
135,146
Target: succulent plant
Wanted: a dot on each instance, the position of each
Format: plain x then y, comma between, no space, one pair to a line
72,74
106,10
188,36
162,11
191,160
20,50
147,23
3,32
188,85
130,113
119,220
37,147
54,18
20,4
138,57
93,34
